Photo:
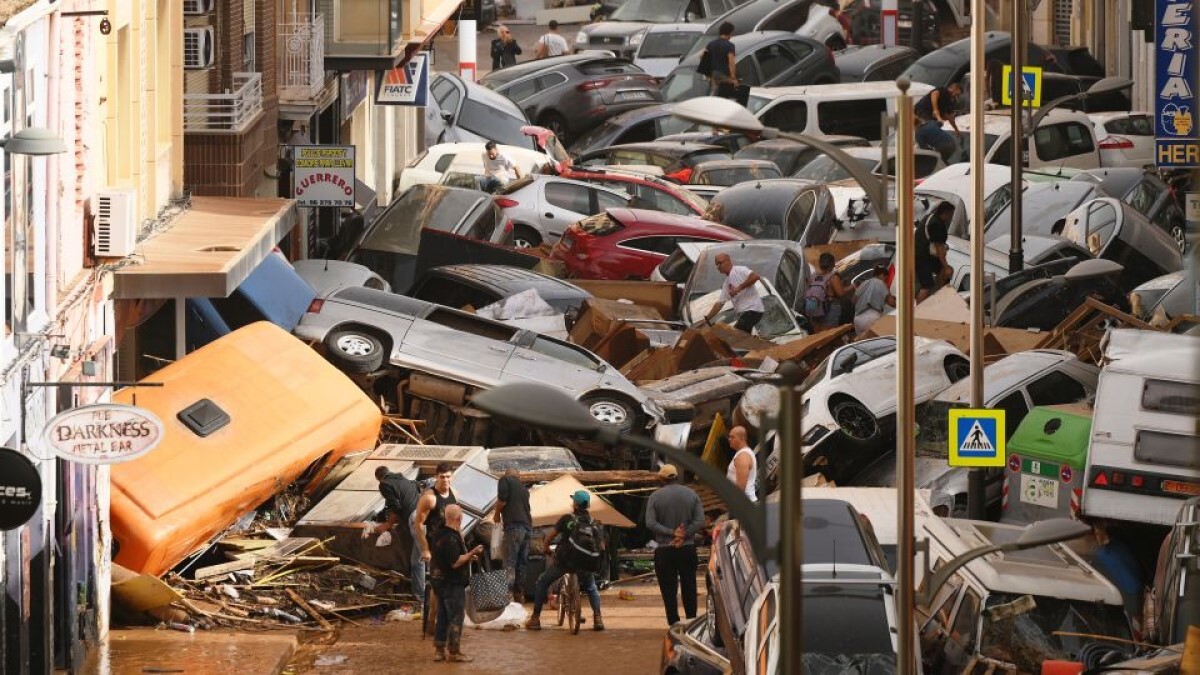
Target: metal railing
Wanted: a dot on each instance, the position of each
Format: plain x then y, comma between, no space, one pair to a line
230,112
301,57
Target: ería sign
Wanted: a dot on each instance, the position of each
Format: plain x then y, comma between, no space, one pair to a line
106,433
20,489
1177,138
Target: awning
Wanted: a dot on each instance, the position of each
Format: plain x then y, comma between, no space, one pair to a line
208,251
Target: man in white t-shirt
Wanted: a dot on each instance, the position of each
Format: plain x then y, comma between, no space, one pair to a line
498,169
738,289
551,44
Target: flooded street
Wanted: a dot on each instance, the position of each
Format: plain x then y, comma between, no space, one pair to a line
632,643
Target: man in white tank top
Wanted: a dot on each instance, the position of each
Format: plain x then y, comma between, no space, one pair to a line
743,469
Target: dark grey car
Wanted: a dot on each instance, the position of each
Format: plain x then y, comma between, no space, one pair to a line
571,94
941,67
1146,193
780,208
765,59
623,32
789,156
636,126
465,111
874,63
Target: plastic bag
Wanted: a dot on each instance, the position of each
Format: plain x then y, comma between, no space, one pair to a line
519,306
497,543
512,618
385,538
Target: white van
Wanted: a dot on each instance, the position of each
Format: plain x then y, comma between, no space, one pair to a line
1144,458
848,109
1005,612
1063,138
466,157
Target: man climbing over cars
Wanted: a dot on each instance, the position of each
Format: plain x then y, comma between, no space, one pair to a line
934,109
738,289
579,550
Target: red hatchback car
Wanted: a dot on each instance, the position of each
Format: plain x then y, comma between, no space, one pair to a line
629,243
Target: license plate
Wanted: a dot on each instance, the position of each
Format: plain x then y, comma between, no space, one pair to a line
632,96
1039,491
904,23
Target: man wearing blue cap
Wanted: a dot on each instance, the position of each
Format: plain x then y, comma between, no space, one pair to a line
580,548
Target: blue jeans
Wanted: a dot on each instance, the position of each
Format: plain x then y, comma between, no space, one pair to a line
587,583
416,564
931,135
451,608
516,553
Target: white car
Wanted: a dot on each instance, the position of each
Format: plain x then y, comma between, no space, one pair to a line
1126,138
664,44
854,389
1063,138
431,165
542,207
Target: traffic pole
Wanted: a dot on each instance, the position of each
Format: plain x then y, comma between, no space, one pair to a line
975,506
466,49
889,23
1019,144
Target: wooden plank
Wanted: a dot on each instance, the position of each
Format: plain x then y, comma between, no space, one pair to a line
627,477
213,571
308,609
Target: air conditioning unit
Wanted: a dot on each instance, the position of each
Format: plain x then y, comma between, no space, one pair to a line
116,223
197,7
198,48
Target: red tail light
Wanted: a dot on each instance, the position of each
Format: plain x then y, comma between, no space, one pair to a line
505,202
315,306
1116,143
596,84
681,176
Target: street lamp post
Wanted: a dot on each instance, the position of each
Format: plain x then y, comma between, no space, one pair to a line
975,487
1017,141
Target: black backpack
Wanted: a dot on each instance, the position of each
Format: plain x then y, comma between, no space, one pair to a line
583,545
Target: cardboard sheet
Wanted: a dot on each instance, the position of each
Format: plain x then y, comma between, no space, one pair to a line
553,500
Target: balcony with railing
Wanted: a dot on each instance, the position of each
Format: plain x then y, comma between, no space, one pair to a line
301,58
231,112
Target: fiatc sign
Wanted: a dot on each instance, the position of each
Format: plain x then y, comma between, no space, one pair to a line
106,433
323,175
406,84
1177,140
20,489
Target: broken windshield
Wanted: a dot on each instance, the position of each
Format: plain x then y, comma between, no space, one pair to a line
1027,630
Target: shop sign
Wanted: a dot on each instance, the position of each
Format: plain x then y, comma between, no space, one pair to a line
105,433
1177,139
323,175
406,84
20,489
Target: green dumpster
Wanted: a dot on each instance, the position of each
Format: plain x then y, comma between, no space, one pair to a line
1046,459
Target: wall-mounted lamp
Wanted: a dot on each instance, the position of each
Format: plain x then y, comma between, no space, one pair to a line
34,141
105,26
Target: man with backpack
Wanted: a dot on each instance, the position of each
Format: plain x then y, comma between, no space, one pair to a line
580,550
823,299
400,496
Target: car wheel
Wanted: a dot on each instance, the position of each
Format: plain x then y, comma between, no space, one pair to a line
556,123
526,237
957,368
854,420
612,411
354,351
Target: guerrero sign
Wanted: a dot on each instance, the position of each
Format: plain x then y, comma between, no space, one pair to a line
106,433
1177,140
20,489
406,84
324,175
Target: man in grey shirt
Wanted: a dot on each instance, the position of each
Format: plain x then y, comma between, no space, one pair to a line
869,300
674,514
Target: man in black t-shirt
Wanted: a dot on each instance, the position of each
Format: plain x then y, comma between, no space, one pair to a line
450,579
718,63
563,532
400,498
512,507
931,245
934,109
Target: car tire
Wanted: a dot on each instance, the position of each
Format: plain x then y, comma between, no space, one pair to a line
854,420
525,236
957,368
354,350
612,411
557,124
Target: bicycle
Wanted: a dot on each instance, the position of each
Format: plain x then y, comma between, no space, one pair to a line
569,602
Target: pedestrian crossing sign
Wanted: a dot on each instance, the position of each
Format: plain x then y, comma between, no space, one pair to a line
1031,86
976,437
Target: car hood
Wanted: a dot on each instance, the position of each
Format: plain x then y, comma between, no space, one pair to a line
613,28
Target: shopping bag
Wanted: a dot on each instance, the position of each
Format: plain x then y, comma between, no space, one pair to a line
487,595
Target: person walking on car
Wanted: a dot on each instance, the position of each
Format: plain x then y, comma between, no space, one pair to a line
505,49
739,290
551,44
743,468
719,64
512,506
579,550
674,515
451,576
401,495
934,109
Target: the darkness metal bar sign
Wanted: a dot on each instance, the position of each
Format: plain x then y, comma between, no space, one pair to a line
1177,140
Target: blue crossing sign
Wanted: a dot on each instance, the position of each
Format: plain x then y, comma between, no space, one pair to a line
976,437
1031,79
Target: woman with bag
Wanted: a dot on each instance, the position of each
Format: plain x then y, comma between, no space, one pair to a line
451,575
